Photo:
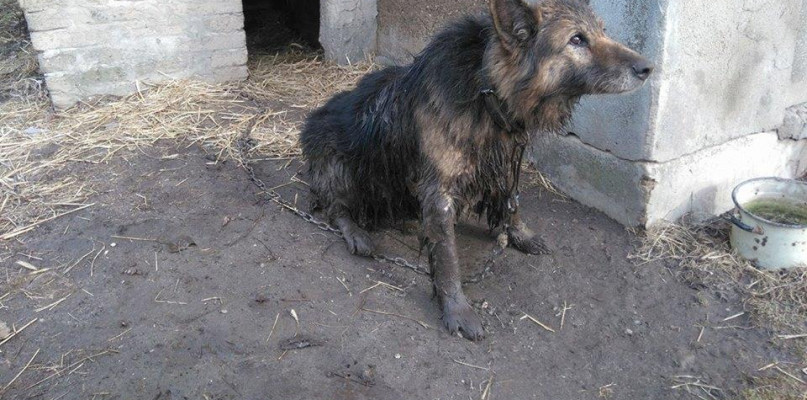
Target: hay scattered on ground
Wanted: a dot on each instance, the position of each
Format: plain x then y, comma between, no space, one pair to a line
37,146
776,300
19,78
533,177
775,387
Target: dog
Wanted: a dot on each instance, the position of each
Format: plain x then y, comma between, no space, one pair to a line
446,134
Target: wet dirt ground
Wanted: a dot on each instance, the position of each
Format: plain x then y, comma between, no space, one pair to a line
180,282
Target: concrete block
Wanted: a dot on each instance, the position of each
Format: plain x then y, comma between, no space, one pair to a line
725,74
622,124
213,7
619,188
62,38
102,47
228,58
88,58
700,184
45,20
795,123
348,29
220,41
223,23
112,13
798,77
646,193
167,67
63,100
61,83
57,61
40,5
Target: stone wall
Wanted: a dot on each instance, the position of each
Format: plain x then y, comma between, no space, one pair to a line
104,47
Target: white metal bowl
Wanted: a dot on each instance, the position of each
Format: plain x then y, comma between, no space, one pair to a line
768,244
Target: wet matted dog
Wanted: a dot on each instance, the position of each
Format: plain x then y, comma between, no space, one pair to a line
446,134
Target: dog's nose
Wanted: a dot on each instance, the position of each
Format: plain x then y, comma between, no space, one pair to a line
642,69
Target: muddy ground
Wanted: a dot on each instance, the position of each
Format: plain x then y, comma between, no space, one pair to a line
146,315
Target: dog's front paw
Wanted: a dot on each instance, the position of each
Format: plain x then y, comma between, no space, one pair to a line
523,239
458,316
359,242
533,245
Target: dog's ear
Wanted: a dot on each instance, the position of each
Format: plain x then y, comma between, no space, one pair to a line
514,21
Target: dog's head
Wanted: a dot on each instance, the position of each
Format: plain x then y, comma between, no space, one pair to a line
558,48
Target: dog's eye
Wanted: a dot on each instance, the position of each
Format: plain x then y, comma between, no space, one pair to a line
578,40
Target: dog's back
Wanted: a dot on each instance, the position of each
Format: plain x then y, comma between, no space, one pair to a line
355,160
365,147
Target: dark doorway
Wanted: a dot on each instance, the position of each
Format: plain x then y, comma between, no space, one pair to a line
275,24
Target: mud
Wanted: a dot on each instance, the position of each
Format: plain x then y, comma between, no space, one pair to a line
188,281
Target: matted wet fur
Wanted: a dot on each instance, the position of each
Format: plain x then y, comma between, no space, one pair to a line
440,136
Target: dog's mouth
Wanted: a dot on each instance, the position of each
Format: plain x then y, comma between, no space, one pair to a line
627,82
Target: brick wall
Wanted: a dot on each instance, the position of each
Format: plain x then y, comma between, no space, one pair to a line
105,47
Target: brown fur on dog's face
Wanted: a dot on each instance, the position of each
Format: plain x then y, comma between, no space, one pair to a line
557,51
576,37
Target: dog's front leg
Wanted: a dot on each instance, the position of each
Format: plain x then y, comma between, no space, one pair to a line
523,238
438,225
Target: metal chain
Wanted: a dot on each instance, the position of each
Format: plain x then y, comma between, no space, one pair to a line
275,197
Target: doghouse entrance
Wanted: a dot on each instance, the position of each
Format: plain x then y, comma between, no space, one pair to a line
271,25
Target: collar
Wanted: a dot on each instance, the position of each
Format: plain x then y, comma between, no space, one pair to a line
500,113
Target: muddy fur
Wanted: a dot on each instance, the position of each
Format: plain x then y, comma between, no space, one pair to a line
422,141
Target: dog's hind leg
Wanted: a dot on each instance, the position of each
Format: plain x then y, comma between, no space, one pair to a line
357,239
524,239
331,188
438,233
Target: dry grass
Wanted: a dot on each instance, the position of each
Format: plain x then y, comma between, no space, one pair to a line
774,387
532,177
777,300
18,66
38,146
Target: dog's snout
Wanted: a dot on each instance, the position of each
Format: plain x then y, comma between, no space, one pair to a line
642,68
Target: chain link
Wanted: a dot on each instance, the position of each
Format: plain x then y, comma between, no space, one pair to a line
243,146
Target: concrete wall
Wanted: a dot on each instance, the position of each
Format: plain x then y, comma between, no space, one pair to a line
730,74
348,29
404,27
620,124
798,77
105,46
727,73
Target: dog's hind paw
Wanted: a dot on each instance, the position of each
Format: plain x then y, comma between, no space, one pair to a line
359,242
458,316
